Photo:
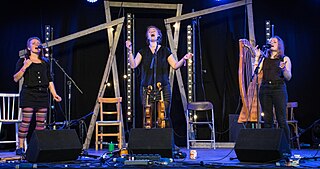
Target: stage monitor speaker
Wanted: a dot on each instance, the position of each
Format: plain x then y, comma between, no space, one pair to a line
151,141
53,146
261,145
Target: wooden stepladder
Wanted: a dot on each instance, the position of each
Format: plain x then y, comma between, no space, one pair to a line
111,63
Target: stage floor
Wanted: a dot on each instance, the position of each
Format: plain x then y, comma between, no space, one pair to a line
206,158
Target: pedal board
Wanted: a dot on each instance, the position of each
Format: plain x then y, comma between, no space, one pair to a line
151,157
138,162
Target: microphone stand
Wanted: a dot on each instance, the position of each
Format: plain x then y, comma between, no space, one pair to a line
256,71
69,95
154,65
51,105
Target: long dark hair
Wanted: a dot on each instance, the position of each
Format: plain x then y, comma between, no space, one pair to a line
280,52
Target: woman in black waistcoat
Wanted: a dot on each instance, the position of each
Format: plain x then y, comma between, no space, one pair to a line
34,95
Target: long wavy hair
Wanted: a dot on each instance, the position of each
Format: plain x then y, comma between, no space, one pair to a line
280,52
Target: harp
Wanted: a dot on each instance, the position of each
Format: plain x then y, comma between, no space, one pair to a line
248,83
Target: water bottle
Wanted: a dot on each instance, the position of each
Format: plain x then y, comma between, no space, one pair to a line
111,146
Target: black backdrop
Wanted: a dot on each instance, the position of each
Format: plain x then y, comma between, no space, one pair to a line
84,59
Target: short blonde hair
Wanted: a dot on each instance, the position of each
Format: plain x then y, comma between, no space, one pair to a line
159,33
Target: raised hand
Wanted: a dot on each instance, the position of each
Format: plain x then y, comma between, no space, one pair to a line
129,45
27,62
188,56
257,51
282,65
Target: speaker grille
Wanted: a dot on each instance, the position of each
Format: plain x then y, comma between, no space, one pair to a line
261,145
53,145
151,141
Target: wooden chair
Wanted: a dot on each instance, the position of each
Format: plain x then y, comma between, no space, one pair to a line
108,120
293,122
10,113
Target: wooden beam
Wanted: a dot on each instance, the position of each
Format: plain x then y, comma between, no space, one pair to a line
174,48
143,5
79,34
252,37
205,11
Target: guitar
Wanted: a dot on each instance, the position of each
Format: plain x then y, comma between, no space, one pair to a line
161,109
148,113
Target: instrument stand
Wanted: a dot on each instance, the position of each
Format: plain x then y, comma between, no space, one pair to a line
155,104
69,95
155,108
82,128
81,124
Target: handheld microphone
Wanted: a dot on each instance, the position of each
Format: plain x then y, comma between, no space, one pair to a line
40,47
267,46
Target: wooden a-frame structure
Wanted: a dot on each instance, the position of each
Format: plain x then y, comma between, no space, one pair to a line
107,5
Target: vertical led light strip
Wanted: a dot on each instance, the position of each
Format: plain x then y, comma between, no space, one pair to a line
268,31
48,54
190,74
190,64
47,39
129,71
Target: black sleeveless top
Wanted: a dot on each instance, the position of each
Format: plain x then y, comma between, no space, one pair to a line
271,70
162,66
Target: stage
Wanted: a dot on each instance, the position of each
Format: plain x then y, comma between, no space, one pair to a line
206,158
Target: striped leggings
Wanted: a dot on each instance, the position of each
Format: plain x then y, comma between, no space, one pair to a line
27,113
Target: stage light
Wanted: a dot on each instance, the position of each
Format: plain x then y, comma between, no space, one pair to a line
128,76
48,37
190,65
92,1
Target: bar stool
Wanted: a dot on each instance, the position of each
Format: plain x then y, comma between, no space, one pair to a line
194,108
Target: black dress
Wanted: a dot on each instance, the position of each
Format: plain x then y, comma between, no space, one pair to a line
34,92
